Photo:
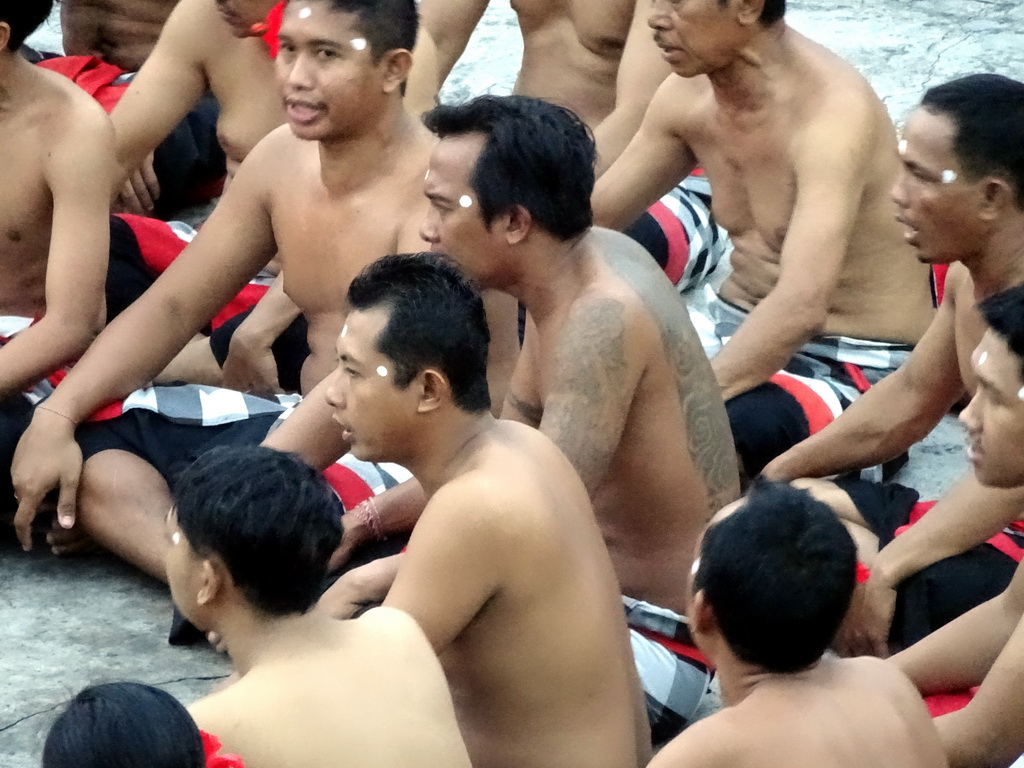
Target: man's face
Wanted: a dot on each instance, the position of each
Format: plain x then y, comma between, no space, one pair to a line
696,37
454,225
934,201
242,15
328,79
184,569
367,404
995,416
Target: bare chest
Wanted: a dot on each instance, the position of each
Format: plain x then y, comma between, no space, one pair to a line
242,79
598,27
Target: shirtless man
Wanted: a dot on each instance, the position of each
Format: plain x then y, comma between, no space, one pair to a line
959,198
801,155
772,583
121,32
56,151
985,646
338,188
251,532
597,61
505,572
611,369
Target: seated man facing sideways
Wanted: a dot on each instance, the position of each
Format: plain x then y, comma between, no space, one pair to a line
56,156
611,369
505,571
801,155
772,581
251,532
960,197
986,645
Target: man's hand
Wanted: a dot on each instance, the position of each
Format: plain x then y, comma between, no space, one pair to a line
360,588
140,192
251,368
354,534
865,631
47,457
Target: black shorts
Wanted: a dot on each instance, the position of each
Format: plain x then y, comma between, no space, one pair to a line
15,415
943,591
290,349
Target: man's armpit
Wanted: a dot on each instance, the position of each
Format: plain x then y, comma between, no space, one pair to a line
527,413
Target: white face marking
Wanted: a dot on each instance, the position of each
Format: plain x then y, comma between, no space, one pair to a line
426,175
344,331
175,538
466,201
695,567
982,358
359,44
305,13
382,371
1020,394
948,176
903,146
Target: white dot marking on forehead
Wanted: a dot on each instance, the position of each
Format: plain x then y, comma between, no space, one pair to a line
344,331
903,146
982,358
305,13
382,371
948,176
695,567
359,44
1020,394
176,538
466,201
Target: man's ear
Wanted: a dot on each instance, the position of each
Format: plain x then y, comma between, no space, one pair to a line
748,12
997,195
214,577
518,223
5,36
435,389
702,615
395,65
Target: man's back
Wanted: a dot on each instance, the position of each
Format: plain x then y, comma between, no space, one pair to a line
362,693
840,713
539,666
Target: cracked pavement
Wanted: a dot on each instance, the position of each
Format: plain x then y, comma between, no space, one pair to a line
68,623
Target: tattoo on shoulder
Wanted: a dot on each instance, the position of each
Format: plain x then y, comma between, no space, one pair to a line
584,412
531,412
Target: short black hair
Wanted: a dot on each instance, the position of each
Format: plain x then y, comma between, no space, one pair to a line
436,319
537,155
772,11
123,725
779,574
987,112
387,24
24,18
272,519
1004,314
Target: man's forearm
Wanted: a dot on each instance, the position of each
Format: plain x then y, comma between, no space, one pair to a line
39,351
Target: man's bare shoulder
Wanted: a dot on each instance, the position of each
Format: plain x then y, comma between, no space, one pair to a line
959,286
719,740
195,30
395,628
64,116
681,105
276,160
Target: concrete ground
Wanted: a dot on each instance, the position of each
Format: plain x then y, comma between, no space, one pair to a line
67,623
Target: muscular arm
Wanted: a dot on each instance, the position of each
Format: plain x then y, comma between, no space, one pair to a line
170,83
592,384
656,159
641,71
451,568
78,170
830,181
891,416
445,29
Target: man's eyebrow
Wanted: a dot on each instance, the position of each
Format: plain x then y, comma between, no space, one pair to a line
345,357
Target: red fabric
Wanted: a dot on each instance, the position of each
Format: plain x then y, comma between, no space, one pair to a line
272,36
245,299
211,746
158,244
945,703
860,381
818,414
1000,541
863,572
678,242
939,272
674,646
92,75
349,486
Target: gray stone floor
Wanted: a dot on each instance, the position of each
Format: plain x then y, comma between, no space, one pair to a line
67,623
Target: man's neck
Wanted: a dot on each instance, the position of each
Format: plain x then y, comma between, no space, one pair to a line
13,69
253,639
1001,265
351,162
739,679
442,454
554,272
747,85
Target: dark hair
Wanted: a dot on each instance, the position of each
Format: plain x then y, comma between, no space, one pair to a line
436,319
124,725
387,24
987,112
1004,314
779,574
273,520
535,154
772,11
24,18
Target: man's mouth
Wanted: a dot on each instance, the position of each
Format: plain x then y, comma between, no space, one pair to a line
303,112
